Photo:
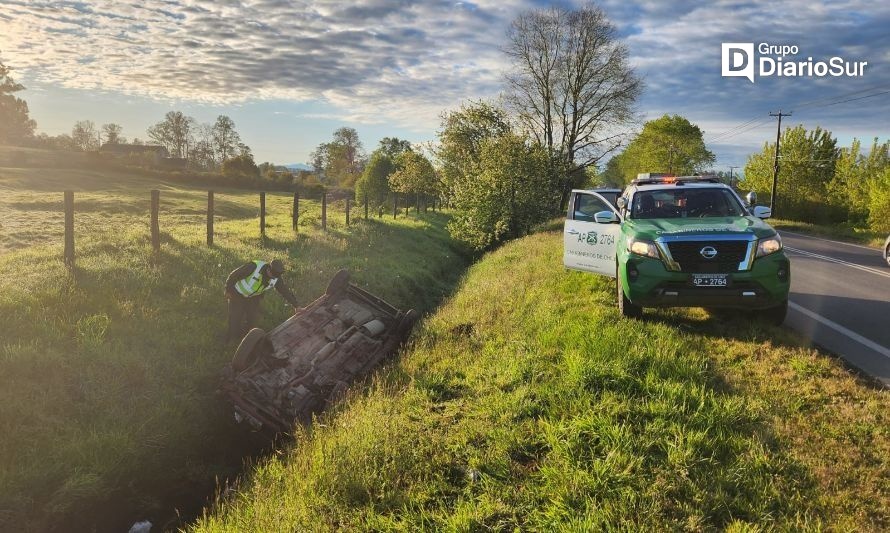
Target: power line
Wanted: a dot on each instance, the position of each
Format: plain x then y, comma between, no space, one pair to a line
748,125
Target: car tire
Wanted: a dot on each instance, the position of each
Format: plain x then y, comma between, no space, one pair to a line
776,315
625,307
407,323
249,350
338,283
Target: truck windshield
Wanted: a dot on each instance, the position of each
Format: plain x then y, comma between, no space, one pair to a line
683,203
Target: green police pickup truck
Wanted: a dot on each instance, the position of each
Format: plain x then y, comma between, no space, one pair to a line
680,242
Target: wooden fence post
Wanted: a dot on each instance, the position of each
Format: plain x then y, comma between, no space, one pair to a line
324,211
155,229
295,214
69,229
209,218
262,214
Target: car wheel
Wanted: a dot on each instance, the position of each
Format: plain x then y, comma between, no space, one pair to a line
776,315
407,322
249,350
625,307
338,283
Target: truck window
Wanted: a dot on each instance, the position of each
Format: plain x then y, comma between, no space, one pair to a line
685,203
587,205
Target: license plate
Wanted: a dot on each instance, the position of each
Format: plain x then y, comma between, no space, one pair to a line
710,280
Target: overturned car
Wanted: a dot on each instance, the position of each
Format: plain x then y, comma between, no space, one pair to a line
284,376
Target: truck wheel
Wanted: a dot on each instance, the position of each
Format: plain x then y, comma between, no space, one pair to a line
338,283
625,307
248,352
776,315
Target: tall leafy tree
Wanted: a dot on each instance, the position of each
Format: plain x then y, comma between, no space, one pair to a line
669,144
225,139
414,175
15,124
807,163
393,147
500,183
374,181
173,133
571,85
341,160
111,134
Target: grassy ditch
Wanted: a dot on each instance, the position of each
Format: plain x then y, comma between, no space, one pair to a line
107,409
525,403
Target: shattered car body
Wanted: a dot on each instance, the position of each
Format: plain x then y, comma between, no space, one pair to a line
284,376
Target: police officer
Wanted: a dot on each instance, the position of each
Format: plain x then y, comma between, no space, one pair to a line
245,287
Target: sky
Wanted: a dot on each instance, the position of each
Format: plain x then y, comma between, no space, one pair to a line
291,72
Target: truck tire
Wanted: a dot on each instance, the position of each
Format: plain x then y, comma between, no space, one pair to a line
407,323
249,350
776,315
625,307
338,283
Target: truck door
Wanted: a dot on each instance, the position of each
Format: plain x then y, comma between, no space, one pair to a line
589,245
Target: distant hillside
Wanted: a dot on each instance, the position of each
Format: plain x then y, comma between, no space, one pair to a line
298,166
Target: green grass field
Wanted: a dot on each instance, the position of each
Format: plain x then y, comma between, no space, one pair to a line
108,410
525,403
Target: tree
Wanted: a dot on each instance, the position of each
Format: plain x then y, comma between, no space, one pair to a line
807,163
374,181
85,136
514,189
668,144
341,160
112,134
500,183
851,186
225,139
414,175
571,85
173,133
393,147
460,142
15,124
241,166
879,202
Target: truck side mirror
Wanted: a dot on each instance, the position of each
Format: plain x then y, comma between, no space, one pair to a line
606,217
751,198
762,211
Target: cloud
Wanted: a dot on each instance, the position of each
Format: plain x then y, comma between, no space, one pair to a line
376,60
403,62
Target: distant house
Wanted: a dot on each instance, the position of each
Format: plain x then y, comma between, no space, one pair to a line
158,153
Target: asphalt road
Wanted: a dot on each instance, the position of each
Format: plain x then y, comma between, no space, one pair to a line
840,300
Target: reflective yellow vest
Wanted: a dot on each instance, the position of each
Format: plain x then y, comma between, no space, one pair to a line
252,285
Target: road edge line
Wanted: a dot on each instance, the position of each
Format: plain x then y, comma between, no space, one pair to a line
868,343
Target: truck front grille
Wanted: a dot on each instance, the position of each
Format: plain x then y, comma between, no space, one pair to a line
688,255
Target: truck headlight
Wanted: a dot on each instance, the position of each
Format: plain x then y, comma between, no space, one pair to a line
643,247
768,246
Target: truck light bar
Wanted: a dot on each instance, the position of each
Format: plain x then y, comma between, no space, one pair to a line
649,178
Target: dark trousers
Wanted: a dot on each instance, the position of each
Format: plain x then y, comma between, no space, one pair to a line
244,313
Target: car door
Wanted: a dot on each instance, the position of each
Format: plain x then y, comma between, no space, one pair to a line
589,245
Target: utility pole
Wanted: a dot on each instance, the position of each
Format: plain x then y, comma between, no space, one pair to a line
772,198
730,176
